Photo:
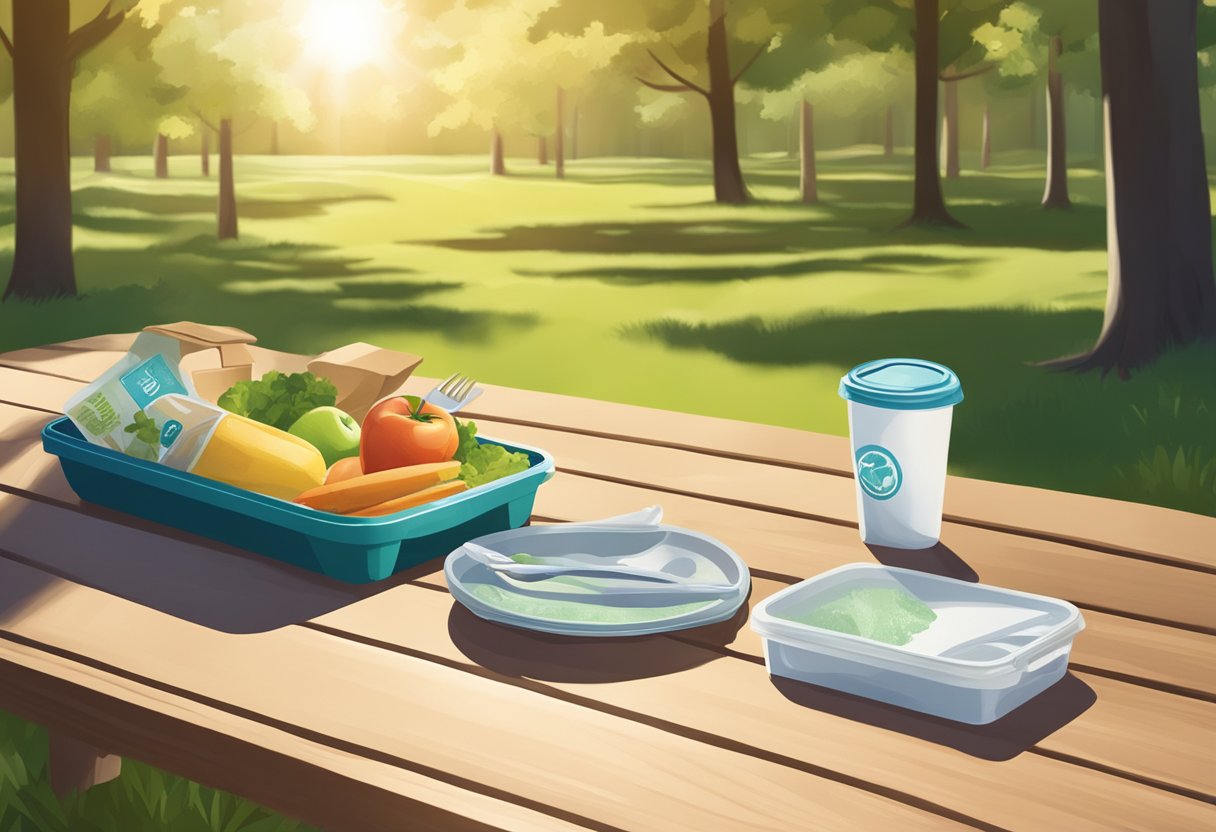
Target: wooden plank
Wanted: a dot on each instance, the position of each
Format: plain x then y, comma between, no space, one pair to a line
1106,524
77,766
409,617
1167,657
292,774
495,738
211,574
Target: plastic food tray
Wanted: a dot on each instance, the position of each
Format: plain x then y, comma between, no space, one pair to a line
989,651
354,549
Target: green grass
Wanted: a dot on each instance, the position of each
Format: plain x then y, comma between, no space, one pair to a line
142,799
626,283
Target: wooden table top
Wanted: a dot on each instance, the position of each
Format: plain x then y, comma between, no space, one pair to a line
391,707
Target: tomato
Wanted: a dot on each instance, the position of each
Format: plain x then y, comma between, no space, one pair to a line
404,430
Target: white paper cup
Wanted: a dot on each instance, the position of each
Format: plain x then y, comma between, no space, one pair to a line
899,424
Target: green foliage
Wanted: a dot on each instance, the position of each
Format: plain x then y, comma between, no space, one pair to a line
483,463
142,799
279,399
144,427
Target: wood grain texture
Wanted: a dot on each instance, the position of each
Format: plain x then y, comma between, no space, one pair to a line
1176,659
211,573
1109,524
504,741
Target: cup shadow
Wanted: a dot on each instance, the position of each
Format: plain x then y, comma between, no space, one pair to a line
519,653
939,559
1003,739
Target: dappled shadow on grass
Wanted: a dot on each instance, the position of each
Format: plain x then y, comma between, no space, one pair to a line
1019,422
302,298
91,198
776,229
901,263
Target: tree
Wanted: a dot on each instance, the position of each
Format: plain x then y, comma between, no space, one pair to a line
853,83
44,51
719,94
1161,291
1026,40
226,63
494,61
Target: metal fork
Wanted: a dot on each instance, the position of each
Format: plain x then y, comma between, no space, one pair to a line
455,393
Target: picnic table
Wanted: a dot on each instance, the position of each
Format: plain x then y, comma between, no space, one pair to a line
391,707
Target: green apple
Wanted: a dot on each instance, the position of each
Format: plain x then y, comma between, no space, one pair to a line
331,431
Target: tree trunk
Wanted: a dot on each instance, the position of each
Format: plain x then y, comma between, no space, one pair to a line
542,150
42,82
808,187
574,134
950,129
1055,194
888,134
559,136
227,207
160,156
728,176
102,150
927,203
204,155
986,140
1161,291
274,138
497,166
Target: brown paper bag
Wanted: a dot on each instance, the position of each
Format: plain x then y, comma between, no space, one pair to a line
364,374
214,357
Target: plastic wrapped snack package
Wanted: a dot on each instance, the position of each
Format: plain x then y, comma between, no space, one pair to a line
203,439
111,410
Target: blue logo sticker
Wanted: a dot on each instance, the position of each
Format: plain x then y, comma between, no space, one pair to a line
151,380
878,472
170,432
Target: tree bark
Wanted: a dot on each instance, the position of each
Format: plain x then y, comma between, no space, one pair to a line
497,166
574,134
950,130
102,151
986,140
1032,134
160,156
227,229
729,186
888,135
542,150
1055,192
42,82
927,203
1161,291
808,187
204,156
559,136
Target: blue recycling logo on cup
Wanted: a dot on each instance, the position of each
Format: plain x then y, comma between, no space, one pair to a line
878,472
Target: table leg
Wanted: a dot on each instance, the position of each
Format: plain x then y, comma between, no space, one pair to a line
77,766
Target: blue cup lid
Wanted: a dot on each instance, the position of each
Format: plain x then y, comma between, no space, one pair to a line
902,384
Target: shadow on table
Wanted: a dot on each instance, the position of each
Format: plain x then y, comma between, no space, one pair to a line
1001,740
936,560
552,658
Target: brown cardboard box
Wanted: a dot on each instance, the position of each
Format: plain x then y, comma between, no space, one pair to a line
215,357
364,374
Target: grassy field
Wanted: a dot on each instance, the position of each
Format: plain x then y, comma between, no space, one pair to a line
625,283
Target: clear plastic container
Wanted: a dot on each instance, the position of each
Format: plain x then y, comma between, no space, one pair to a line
988,651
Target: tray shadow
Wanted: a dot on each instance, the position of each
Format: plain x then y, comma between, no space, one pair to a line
1003,739
519,653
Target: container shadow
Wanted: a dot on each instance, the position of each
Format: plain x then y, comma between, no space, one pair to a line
1003,739
936,560
525,654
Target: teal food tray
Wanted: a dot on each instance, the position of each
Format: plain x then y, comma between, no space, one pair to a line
354,549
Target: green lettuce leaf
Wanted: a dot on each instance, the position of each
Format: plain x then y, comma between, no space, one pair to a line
278,399
483,463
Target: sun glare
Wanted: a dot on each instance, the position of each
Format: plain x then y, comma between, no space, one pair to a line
344,35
